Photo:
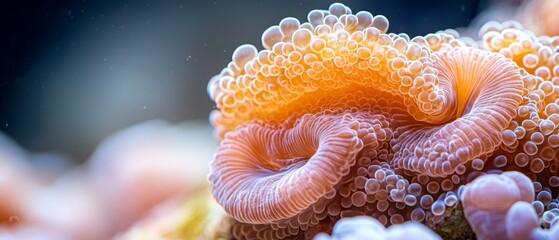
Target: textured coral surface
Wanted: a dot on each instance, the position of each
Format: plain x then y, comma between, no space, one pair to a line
337,118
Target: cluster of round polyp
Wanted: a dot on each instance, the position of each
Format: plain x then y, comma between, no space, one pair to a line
537,55
392,199
529,143
335,51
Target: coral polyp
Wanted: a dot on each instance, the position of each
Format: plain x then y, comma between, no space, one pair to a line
337,118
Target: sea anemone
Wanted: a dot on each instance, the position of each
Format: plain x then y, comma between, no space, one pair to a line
337,118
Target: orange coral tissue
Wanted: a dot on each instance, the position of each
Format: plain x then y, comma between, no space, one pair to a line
336,118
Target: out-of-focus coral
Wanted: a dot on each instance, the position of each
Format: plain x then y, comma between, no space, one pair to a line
541,16
131,172
196,217
15,185
145,165
538,16
338,118
69,208
369,228
32,208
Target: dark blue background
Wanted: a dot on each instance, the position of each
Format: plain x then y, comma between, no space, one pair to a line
75,71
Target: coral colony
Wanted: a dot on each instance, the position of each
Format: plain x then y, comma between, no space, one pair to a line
337,118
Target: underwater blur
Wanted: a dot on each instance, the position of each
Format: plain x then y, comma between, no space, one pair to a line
280,120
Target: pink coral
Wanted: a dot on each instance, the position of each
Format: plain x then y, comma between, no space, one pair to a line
488,198
368,228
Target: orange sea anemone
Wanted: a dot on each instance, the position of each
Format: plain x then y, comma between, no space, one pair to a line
338,118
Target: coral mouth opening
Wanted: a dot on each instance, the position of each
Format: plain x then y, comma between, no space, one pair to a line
485,100
259,175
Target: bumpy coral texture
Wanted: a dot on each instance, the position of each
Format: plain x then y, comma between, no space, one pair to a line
338,118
